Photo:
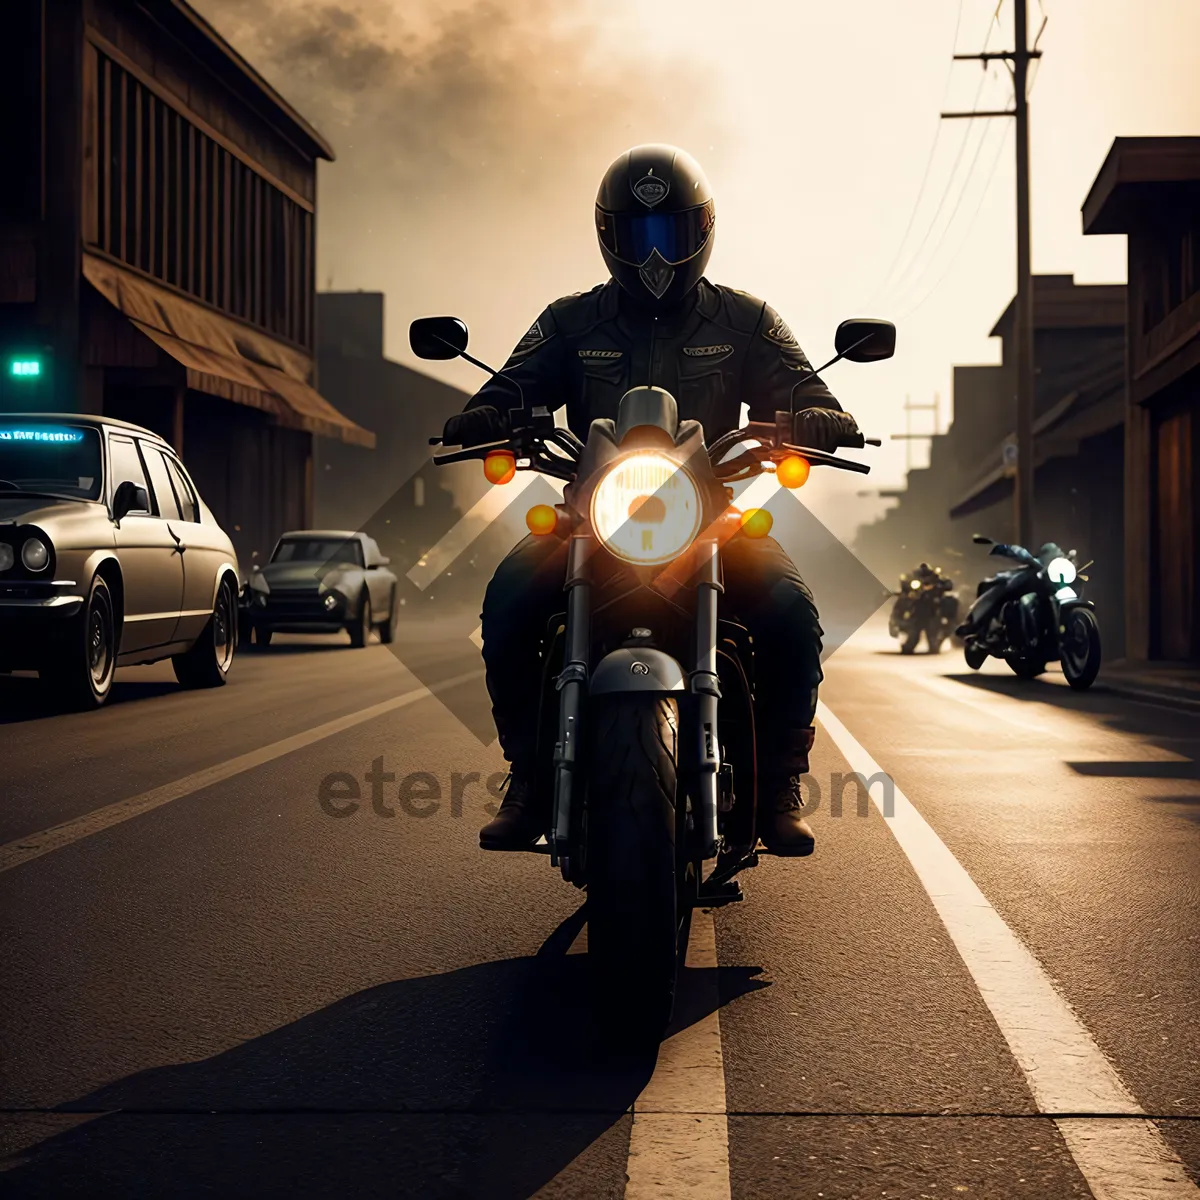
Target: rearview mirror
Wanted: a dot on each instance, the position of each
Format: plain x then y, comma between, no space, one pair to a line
129,498
381,561
865,340
437,337
980,540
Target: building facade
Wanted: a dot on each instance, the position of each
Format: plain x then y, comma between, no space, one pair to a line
157,258
1149,190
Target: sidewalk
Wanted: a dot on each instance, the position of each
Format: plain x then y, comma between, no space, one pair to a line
1174,684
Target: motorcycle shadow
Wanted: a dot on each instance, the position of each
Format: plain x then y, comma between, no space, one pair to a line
488,1080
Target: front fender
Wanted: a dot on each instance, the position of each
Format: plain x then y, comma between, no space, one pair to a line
636,670
228,567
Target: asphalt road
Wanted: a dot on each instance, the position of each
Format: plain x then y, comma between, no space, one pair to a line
212,985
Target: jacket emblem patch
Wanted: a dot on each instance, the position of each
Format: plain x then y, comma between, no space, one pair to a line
599,353
780,334
708,351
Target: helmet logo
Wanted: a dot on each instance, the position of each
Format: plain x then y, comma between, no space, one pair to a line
651,190
657,274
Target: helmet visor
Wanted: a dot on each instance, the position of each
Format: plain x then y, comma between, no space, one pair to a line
633,237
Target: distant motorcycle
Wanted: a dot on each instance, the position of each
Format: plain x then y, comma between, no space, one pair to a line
925,604
1032,614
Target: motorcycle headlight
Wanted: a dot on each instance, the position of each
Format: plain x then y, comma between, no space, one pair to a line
34,554
1065,593
915,585
646,509
1061,570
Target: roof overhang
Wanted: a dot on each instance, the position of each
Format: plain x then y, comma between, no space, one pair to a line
187,26
1135,170
221,356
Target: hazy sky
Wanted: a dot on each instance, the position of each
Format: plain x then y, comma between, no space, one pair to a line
471,136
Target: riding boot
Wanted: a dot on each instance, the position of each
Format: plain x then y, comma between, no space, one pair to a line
519,823
780,824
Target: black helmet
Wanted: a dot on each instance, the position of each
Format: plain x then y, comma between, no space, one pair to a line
654,218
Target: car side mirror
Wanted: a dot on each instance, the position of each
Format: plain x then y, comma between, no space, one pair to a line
437,337
129,498
865,340
382,561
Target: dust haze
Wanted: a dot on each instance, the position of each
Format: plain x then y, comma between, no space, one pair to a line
470,138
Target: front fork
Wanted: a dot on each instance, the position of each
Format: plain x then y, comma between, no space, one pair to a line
705,756
572,689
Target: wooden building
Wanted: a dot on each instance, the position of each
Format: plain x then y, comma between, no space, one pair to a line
1149,189
157,243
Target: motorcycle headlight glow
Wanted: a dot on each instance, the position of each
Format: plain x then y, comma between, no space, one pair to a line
646,509
1061,570
1065,593
915,585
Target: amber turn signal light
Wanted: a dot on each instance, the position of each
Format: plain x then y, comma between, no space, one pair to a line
757,522
792,471
541,519
500,466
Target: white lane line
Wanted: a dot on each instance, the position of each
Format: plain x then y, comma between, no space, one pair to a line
25,849
1065,1070
679,1142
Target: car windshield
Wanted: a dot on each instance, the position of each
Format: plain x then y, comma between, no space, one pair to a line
54,459
319,550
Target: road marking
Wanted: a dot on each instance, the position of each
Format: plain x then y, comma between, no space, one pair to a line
23,850
679,1142
1065,1070
981,702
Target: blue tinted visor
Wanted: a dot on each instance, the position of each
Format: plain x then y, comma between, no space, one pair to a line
633,237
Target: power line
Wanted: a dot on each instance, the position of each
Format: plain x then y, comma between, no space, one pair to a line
910,287
912,216
891,279
966,236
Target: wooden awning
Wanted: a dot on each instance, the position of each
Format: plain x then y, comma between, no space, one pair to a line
223,357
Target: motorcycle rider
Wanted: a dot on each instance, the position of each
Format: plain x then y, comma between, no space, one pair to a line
658,321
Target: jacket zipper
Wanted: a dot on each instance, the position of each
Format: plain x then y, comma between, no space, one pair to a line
650,364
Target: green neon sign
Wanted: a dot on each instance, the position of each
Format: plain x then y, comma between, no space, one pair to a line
25,368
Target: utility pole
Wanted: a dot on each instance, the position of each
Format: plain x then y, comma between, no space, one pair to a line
1019,59
908,437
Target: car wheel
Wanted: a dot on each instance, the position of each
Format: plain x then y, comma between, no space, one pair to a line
387,630
81,673
207,663
360,631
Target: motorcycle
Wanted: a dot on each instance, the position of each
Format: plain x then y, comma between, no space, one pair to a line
646,751
925,604
1032,614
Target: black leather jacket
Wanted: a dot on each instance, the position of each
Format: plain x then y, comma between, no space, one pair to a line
721,349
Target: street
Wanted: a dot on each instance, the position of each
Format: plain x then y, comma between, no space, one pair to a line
227,972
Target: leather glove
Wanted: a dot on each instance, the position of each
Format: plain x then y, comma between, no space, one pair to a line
826,429
475,427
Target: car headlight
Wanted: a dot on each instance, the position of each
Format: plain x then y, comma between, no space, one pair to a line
35,554
1061,570
332,600
7,558
646,509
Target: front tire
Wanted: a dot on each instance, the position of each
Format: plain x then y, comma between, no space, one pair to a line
632,927
80,675
360,630
909,645
1080,648
387,631
206,664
